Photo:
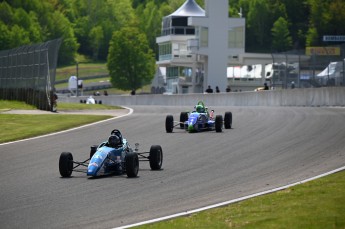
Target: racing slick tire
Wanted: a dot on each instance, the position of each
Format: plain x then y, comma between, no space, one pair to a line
219,123
66,164
169,123
93,150
132,164
228,120
156,157
183,118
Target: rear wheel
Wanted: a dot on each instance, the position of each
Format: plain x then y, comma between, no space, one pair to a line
66,164
219,123
169,123
183,118
228,120
132,164
156,157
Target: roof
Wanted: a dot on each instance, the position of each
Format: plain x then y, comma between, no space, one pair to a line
189,8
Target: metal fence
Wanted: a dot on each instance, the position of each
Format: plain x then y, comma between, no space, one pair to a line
27,74
313,67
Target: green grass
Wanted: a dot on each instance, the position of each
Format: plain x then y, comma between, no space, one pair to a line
83,106
84,69
18,126
17,105
65,85
87,68
21,126
8,105
315,204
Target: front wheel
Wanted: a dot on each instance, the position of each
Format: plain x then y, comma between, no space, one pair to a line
169,123
132,164
66,164
156,157
219,123
183,118
93,150
228,120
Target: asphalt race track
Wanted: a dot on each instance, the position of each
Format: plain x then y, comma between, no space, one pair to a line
267,147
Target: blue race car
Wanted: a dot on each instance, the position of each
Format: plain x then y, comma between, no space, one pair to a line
114,156
199,120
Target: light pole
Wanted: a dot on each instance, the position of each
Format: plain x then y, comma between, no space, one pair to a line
77,69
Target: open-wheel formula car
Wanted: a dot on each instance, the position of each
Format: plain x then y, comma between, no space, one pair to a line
199,120
112,157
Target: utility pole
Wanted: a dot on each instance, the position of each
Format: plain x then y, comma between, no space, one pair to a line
77,69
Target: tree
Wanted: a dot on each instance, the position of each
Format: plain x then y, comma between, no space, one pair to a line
150,23
312,37
60,27
297,14
131,62
337,9
5,36
259,23
281,36
95,37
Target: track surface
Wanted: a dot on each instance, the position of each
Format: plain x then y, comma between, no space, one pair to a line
268,147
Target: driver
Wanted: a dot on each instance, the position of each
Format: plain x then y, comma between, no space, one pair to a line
199,108
114,141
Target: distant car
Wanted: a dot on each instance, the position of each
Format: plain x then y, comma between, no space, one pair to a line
90,100
112,157
199,120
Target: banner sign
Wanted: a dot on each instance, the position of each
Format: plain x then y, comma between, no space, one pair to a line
322,51
334,38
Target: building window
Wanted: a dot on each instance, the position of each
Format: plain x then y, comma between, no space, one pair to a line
172,72
165,51
204,37
236,37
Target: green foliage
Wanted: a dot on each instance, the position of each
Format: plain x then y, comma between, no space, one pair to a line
258,22
281,36
87,26
31,22
312,37
59,26
131,62
96,36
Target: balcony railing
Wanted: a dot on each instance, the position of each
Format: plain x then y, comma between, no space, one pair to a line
178,30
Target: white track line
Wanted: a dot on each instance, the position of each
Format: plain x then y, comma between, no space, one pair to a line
64,131
230,201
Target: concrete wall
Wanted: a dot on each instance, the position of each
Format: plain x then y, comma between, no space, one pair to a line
330,96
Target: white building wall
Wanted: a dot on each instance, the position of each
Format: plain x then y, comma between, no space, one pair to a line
217,13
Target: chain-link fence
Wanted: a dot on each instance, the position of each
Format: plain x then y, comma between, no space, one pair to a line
27,74
313,67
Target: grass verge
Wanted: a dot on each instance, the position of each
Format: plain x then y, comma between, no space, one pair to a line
20,126
84,69
83,106
8,105
316,204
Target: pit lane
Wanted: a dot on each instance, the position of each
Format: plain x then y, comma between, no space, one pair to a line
268,147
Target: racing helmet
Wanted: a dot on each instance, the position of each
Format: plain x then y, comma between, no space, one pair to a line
114,141
199,109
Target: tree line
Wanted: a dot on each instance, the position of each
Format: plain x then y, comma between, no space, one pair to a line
87,26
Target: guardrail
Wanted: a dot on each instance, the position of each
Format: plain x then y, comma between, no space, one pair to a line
309,97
